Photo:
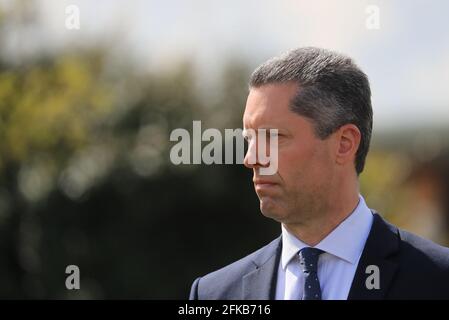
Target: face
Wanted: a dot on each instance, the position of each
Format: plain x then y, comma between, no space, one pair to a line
297,191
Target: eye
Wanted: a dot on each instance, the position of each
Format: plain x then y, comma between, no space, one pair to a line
246,136
274,133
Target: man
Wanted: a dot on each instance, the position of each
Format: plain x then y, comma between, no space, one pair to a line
332,245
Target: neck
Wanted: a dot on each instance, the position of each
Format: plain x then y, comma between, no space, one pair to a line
312,231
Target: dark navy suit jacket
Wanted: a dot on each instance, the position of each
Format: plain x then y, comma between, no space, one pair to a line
410,267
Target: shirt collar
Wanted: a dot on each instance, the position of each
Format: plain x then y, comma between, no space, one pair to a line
346,241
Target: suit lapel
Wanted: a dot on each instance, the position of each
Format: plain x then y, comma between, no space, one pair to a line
260,284
381,245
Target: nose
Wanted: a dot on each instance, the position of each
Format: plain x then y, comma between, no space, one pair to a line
252,159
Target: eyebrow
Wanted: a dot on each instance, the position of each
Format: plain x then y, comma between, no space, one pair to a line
284,131
267,127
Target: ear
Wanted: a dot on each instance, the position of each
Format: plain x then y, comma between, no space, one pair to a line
348,140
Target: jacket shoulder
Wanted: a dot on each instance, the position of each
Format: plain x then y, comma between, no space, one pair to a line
226,281
415,252
424,250
423,269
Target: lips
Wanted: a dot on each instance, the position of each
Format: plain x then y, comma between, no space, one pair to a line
264,182
264,185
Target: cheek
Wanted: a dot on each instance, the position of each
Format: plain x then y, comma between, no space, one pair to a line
291,165
296,166
321,164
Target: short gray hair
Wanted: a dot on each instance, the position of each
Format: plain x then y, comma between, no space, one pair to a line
332,92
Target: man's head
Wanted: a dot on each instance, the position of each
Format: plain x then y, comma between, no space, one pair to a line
320,102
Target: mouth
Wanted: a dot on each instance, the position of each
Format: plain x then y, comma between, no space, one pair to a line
264,184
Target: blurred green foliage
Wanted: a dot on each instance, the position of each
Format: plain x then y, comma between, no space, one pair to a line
85,178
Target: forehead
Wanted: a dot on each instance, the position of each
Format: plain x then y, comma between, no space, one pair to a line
268,105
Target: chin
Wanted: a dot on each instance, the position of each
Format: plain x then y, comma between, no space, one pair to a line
271,210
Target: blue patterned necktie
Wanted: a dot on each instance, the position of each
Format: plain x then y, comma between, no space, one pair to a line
308,260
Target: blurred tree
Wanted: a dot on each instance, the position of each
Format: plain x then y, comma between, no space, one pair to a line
48,111
86,178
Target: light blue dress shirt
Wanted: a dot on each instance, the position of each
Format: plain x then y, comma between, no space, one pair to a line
336,266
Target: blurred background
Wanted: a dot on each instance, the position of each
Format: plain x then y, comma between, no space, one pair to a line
86,113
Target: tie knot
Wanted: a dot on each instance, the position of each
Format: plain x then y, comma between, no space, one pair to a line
308,259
